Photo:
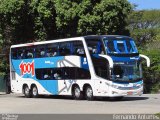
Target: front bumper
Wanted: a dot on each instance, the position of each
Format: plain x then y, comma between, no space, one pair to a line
116,92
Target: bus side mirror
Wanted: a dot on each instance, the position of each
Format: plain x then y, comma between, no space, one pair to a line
147,59
109,60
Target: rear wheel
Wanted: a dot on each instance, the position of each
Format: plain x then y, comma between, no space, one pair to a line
76,93
34,92
89,93
27,92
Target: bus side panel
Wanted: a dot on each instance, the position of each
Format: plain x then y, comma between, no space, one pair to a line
64,86
25,74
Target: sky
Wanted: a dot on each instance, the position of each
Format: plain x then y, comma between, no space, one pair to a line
146,4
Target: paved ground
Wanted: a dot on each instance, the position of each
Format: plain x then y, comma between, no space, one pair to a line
16,103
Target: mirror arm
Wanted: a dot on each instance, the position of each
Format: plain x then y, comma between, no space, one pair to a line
147,59
110,60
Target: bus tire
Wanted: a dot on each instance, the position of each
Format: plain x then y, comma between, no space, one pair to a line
34,91
27,92
89,93
76,93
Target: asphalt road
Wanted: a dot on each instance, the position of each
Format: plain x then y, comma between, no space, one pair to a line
17,103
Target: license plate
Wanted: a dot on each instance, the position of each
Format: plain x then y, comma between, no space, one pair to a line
129,93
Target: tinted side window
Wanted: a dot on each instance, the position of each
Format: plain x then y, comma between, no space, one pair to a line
95,46
29,52
40,51
20,53
82,73
23,53
76,73
69,72
78,48
101,67
52,50
64,48
49,74
62,73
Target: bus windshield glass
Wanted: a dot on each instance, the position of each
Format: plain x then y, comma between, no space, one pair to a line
120,46
126,71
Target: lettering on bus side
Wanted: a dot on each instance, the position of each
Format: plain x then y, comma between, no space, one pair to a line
27,68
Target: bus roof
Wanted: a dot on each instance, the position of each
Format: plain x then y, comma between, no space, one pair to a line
48,41
71,39
107,36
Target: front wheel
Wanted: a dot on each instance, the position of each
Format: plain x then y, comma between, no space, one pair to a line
89,93
76,93
34,92
27,92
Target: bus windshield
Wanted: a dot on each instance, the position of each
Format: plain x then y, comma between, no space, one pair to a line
125,68
120,46
126,71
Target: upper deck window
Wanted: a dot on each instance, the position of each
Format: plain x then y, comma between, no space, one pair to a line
95,46
71,48
52,50
124,46
22,53
49,50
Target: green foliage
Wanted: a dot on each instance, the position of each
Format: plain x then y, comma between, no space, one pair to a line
69,14
155,88
3,66
38,20
108,17
152,74
27,20
10,6
43,18
1,41
86,17
144,25
42,7
158,114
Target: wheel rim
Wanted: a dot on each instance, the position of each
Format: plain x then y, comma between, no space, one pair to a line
77,92
34,91
89,92
27,91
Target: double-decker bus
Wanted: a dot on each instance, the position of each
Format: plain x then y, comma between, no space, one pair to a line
84,67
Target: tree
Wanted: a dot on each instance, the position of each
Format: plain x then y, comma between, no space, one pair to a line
144,25
36,20
28,20
23,21
91,17
152,75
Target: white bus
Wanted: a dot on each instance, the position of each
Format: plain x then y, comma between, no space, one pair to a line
84,67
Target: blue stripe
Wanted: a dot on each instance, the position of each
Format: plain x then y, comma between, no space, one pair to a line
124,59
